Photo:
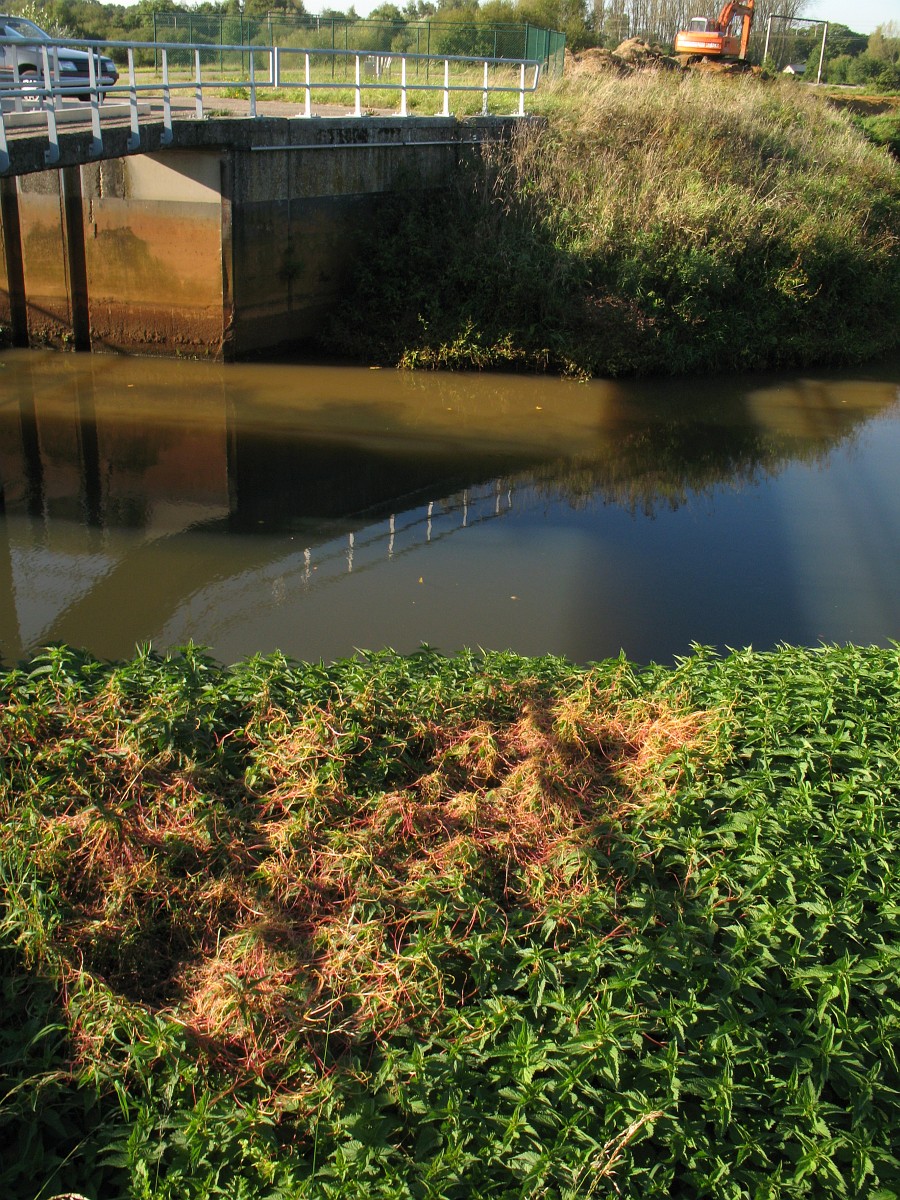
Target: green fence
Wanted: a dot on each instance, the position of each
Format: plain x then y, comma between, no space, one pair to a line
372,37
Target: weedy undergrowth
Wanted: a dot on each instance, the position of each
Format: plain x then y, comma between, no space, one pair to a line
659,223
452,927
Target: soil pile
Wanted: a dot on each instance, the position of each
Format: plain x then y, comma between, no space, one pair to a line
641,55
631,55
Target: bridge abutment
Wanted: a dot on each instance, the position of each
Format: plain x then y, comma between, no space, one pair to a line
239,241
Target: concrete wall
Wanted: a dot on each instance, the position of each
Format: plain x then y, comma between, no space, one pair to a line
297,216
120,255
225,249
153,249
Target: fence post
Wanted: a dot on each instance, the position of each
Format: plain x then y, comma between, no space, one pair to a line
822,54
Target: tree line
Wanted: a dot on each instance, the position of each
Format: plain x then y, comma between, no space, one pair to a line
850,57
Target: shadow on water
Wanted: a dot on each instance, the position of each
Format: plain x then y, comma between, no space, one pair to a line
253,507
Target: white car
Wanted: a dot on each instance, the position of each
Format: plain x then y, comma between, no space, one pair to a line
73,68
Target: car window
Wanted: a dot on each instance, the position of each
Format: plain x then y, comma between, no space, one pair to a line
18,27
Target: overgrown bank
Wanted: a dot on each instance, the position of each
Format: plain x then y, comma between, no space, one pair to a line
466,927
658,223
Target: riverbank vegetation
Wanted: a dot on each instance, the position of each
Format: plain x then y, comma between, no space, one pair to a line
451,928
656,223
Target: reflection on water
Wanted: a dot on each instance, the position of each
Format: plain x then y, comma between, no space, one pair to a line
255,507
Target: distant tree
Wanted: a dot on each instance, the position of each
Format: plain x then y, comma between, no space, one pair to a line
44,15
287,8
863,69
416,10
884,43
568,16
843,40
499,12
386,12
837,70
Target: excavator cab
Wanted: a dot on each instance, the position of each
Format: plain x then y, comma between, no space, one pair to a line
707,38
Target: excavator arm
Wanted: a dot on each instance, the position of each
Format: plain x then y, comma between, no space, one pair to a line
737,8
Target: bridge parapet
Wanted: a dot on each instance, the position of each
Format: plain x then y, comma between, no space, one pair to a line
39,96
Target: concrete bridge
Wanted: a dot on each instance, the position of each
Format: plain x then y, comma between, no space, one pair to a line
238,238
142,221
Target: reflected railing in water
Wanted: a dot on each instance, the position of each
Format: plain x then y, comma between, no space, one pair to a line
158,501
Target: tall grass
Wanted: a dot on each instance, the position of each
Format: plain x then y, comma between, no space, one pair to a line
451,928
661,223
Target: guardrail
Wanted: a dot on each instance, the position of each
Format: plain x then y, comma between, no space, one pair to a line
43,86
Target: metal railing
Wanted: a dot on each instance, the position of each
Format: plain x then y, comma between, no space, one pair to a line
422,35
291,69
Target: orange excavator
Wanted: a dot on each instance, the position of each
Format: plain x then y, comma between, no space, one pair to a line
721,37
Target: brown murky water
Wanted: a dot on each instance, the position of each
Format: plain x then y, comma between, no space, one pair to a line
316,510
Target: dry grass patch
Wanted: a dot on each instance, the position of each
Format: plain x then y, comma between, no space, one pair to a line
284,904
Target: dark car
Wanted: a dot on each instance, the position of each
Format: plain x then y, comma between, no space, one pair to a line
73,69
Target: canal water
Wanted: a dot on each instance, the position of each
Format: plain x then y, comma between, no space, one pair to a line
317,510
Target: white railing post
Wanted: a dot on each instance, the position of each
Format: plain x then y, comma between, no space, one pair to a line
46,75
403,109
198,87
484,94
17,84
4,148
308,90
521,111
358,112
446,87
135,139
57,99
96,131
51,154
253,86
166,138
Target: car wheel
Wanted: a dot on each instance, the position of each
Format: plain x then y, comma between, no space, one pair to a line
29,82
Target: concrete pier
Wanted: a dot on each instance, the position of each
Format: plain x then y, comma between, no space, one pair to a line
239,241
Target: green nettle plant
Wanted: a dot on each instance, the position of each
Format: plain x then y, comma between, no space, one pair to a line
466,927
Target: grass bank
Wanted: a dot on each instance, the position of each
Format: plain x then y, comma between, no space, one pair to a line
658,223
451,928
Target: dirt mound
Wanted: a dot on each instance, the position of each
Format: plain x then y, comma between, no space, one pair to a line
641,55
596,61
631,55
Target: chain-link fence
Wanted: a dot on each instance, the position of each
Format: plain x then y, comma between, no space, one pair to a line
373,37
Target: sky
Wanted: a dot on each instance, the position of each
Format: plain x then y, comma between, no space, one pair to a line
863,16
